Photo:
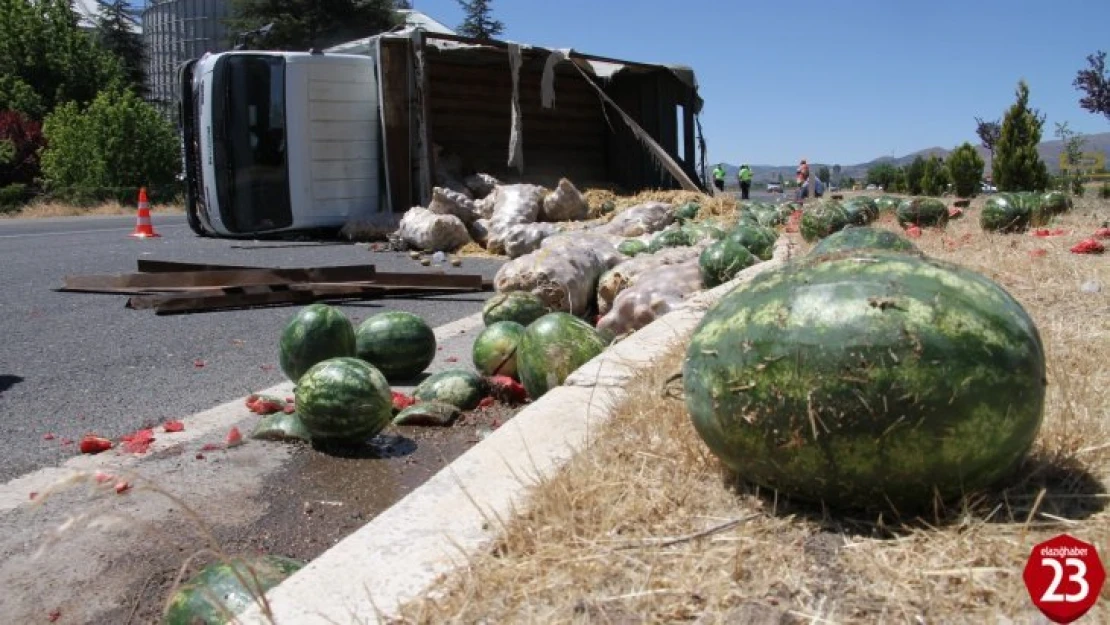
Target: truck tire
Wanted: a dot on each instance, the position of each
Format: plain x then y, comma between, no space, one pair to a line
194,223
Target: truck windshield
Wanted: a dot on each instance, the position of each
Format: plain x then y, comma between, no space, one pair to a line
249,143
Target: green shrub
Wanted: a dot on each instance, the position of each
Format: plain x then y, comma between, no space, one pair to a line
1104,192
1077,188
109,150
965,168
13,197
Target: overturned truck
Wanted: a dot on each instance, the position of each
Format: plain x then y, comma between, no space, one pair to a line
287,141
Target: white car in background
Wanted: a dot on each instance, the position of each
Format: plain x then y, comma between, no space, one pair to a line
986,187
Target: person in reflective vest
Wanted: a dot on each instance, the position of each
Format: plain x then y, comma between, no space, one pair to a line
719,177
745,176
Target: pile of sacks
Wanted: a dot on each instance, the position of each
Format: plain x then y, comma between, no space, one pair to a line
509,220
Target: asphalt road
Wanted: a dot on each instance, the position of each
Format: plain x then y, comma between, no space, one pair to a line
75,363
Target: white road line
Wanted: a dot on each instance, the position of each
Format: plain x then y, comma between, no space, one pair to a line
16,492
52,234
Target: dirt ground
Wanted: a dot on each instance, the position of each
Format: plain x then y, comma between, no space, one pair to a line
91,556
645,525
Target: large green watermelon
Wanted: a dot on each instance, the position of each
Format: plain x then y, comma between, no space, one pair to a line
671,237
317,332
862,238
494,350
400,344
861,210
868,379
523,307
887,203
552,348
344,400
922,211
721,261
1055,203
758,240
459,387
822,219
1005,212
216,591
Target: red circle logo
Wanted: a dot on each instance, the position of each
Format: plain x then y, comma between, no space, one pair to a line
1064,576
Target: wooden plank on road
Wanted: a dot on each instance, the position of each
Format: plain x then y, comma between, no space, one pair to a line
220,278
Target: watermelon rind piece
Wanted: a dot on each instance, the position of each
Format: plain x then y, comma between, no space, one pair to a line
459,387
344,400
428,413
315,333
216,591
400,344
861,380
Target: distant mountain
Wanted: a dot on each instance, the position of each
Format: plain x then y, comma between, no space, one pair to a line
1049,151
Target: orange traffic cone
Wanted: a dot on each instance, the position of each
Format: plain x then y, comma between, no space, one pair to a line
143,228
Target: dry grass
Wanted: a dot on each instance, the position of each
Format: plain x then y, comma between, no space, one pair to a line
40,210
645,526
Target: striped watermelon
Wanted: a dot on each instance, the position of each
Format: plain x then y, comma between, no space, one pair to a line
344,400
317,332
400,344
209,597
523,307
868,379
862,238
552,348
459,387
494,350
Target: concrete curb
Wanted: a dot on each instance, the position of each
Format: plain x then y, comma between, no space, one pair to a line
398,556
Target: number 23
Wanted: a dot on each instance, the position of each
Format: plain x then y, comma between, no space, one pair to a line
1051,594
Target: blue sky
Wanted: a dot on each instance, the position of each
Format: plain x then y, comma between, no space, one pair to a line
836,82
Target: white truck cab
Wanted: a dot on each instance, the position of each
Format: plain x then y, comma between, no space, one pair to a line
280,141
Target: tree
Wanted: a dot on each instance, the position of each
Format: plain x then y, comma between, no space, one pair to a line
46,60
1073,156
1016,165
965,169
1094,82
114,26
478,22
914,175
305,24
109,149
988,132
934,178
823,174
883,174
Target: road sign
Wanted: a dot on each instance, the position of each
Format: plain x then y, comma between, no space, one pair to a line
1064,577
1091,162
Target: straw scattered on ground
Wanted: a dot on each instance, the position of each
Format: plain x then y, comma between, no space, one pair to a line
645,526
45,209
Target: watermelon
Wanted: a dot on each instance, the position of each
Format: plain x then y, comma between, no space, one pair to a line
1055,203
687,211
523,307
922,211
344,400
494,350
630,247
861,210
216,592
822,219
459,387
400,344
704,230
671,237
887,203
1005,212
758,240
317,332
862,379
862,238
721,261
552,348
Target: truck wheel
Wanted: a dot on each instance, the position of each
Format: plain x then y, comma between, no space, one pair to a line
194,223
